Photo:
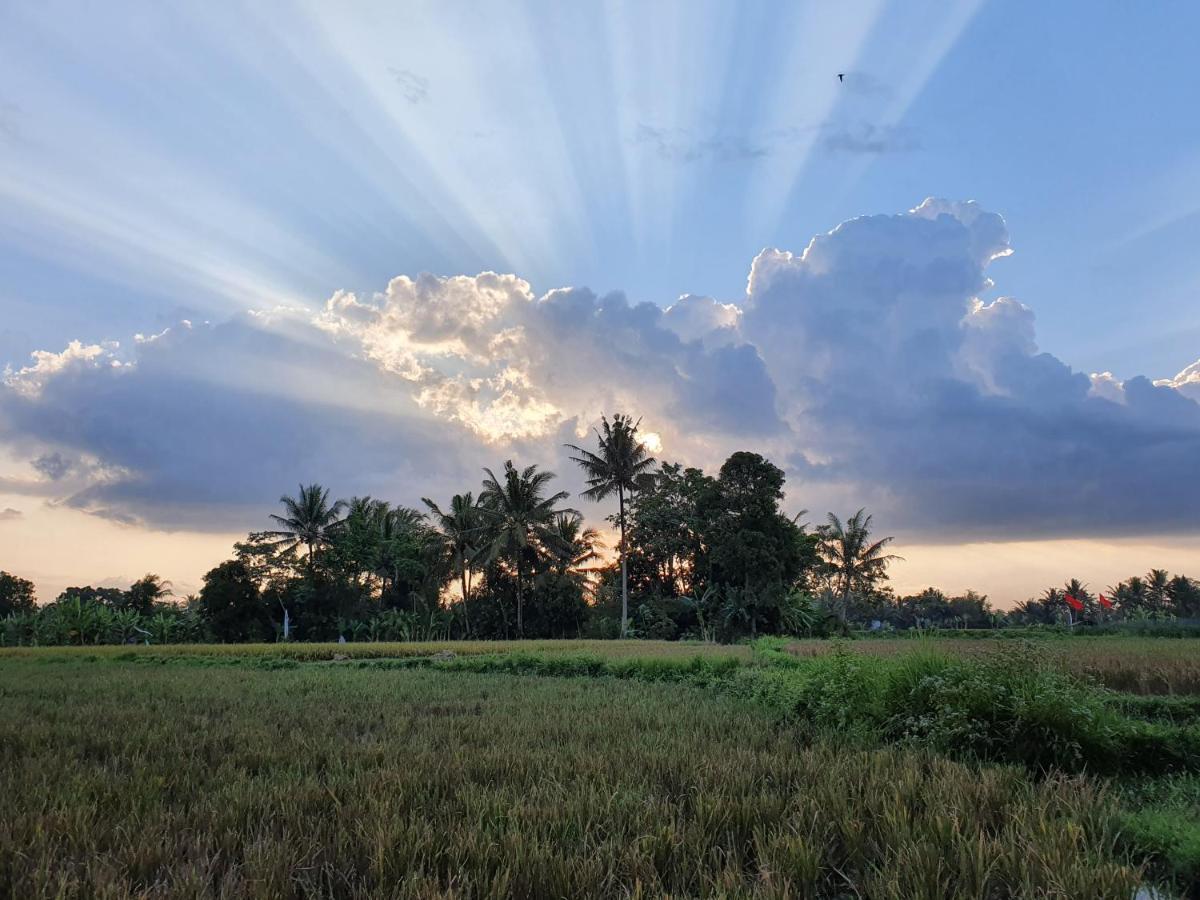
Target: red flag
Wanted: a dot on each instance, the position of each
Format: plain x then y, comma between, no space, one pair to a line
1105,602
1073,602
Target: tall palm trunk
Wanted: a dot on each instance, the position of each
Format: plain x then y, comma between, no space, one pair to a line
624,569
520,602
462,573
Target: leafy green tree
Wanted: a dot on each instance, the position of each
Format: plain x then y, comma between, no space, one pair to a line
853,560
620,465
749,543
666,528
232,605
519,520
17,595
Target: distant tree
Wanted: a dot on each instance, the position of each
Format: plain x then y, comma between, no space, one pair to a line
1185,596
144,593
309,519
231,604
460,531
113,598
519,518
1157,590
928,609
16,595
403,560
972,610
667,524
619,466
854,561
753,552
574,545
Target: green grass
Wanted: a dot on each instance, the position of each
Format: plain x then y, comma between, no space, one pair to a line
388,650
1138,665
349,780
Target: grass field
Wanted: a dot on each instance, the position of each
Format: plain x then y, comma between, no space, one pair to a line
394,650
1135,664
280,773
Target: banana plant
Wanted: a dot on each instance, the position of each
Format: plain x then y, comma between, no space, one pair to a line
125,625
162,627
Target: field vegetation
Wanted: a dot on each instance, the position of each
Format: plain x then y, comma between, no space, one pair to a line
890,769
347,781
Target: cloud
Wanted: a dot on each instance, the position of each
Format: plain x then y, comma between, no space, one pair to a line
901,381
54,466
876,365
414,87
1186,382
10,515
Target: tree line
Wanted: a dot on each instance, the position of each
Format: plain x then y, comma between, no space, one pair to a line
704,556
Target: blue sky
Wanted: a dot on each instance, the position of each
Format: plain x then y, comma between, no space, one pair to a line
213,162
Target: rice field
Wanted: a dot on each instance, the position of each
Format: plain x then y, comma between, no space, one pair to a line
335,781
391,650
643,769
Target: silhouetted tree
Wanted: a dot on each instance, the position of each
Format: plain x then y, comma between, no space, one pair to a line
16,595
231,604
519,519
461,533
854,561
619,465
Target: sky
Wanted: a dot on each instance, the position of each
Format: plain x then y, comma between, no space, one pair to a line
382,245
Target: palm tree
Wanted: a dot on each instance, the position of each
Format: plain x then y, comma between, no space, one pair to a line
852,560
309,520
461,531
620,466
519,519
1156,582
575,545
398,527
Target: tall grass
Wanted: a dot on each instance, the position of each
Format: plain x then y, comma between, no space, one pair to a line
1132,664
348,781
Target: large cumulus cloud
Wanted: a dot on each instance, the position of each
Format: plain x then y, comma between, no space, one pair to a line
875,364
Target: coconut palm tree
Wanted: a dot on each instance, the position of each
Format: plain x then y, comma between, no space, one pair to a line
1157,581
620,466
575,544
853,560
518,519
461,533
309,520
